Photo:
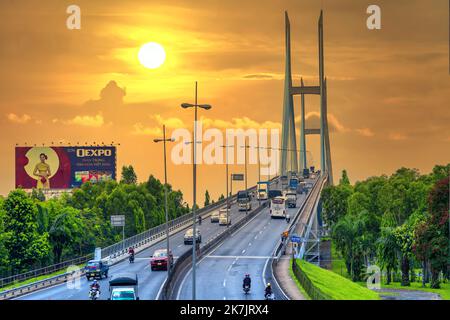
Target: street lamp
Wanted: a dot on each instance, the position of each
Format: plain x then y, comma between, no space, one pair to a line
194,169
164,140
226,173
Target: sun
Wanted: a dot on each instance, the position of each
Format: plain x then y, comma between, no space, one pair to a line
152,55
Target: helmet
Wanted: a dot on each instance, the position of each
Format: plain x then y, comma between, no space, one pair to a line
95,281
268,284
247,275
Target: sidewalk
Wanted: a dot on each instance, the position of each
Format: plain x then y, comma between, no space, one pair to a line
284,279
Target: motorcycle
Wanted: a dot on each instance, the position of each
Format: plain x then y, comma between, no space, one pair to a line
94,294
246,289
131,258
270,296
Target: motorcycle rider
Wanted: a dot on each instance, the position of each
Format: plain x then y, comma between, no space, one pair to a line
268,291
199,220
95,286
247,281
131,253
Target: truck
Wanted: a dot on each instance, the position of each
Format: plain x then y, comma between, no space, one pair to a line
96,269
306,173
123,286
291,199
293,183
262,190
244,201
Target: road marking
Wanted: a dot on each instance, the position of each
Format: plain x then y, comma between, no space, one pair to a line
243,251
239,257
224,282
249,244
256,237
160,289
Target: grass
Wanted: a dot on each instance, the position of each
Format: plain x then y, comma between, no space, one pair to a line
299,286
444,291
337,263
35,279
335,286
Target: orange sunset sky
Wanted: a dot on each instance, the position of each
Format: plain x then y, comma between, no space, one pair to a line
388,89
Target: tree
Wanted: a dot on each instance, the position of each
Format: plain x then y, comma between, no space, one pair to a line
128,175
431,243
334,202
344,179
387,252
222,197
207,198
66,230
24,245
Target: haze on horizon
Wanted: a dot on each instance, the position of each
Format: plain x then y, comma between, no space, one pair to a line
388,89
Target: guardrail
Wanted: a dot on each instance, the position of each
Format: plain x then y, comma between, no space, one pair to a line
282,246
115,252
184,261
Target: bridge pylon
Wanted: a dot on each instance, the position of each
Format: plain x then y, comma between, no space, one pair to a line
289,159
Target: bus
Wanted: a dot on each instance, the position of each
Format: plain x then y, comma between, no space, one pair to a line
278,207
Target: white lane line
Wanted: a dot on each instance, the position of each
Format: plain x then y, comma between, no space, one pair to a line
243,251
256,237
250,244
238,257
224,298
229,267
224,282
160,289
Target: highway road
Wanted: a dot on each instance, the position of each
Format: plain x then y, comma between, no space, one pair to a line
248,250
150,282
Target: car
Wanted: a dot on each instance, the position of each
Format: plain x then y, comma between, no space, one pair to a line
96,269
215,216
188,236
160,259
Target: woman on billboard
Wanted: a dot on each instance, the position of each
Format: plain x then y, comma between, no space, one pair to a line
42,171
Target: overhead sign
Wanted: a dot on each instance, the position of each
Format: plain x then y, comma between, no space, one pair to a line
64,167
237,177
118,221
296,238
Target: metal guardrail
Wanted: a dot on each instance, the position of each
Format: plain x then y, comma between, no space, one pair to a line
311,220
184,262
281,247
111,252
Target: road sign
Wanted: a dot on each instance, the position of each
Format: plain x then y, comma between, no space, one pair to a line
237,176
118,221
296,238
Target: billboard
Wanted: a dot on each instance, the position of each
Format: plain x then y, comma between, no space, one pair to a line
64,167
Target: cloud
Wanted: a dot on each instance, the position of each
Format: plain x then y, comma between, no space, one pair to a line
87,121
112,93
366,132
259,76
313,122
171,122
141,130
14,118
236,123
396,136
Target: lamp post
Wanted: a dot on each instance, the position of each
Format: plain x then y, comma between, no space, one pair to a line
226,174
194,169
164,140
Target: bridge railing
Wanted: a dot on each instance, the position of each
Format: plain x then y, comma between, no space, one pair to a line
294,222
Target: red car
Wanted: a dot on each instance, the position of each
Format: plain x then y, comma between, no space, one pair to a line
160,260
